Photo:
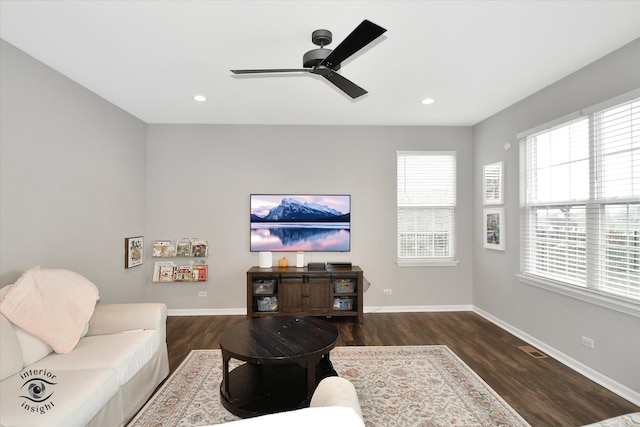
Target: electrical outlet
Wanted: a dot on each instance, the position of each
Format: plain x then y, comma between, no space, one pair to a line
588,342
388,291
202,293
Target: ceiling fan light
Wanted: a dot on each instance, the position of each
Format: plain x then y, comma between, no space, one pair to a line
428,101
199,98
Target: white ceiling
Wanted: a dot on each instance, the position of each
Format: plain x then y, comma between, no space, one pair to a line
474,57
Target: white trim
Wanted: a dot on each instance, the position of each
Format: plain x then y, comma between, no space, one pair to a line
426,153
606,382
583,294
417,308
206,311
426,262
373,309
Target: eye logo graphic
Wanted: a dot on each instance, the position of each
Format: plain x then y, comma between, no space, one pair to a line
37,390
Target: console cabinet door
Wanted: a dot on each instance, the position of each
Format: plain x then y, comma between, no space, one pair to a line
317,296
290,294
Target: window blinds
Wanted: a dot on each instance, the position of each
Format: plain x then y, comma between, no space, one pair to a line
580,197
426,201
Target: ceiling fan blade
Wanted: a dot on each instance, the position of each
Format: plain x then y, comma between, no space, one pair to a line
270,70
364,34
345,85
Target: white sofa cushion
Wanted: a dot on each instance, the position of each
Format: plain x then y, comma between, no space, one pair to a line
334,416
33,348
126,353
10,351
71,398
51,303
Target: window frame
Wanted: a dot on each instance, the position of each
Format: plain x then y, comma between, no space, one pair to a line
429,261
591,291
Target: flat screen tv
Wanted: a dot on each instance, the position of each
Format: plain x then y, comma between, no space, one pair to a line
298,222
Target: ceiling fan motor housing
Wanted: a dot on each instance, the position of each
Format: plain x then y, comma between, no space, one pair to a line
321,37
314,57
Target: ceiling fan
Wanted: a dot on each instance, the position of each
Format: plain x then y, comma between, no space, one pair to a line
325,62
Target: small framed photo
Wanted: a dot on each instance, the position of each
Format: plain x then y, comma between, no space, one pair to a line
133,251
493,186
494,229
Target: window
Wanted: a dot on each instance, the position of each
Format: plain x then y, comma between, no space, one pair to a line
426,207
580,199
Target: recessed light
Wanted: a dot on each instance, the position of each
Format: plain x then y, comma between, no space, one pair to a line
428,101
199,98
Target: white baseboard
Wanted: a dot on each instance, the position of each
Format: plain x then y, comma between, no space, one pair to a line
206,311
379,309
595,376
416,308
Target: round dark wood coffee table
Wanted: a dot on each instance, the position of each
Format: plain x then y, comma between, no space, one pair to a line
285,359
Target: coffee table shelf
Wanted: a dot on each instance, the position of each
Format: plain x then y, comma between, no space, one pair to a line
285,359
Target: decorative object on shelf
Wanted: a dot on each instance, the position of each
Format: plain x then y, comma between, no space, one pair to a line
163,271
183,273
268,304
187,247
283,262
265,260
300,259
192,270
200,273
494,229
316,266
199,248
342,303
164,248
493,184
343,286
169,271
183,247
133,251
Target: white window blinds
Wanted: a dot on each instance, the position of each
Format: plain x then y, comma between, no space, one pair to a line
580,197
426,204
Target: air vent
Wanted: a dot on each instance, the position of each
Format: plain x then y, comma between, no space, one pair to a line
533,352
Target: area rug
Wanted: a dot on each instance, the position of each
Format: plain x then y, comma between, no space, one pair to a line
425,386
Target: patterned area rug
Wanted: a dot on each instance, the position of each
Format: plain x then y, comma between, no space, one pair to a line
425,386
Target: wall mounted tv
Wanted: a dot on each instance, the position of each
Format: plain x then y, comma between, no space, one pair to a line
309,223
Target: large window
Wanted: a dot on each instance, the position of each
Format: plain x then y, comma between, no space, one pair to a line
580,199
426,207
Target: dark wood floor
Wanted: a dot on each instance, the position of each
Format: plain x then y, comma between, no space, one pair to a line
544,391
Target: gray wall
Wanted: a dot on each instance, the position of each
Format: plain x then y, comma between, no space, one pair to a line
200,179
72,179
555,320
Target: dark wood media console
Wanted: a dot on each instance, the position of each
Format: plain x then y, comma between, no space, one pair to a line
298,291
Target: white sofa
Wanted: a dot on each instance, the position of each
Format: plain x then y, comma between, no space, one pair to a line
334,403
103,381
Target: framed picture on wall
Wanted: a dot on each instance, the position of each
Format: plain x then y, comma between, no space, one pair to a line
494,229
493,184
133,251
